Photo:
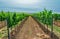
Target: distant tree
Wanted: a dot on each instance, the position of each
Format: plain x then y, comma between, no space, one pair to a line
14,18
2,16
8,24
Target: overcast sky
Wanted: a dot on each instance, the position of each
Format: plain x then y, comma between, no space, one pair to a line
29,5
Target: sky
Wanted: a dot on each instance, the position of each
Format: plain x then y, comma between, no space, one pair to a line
29,5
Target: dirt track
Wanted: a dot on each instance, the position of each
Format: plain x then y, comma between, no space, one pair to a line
2,24
31,30
57,23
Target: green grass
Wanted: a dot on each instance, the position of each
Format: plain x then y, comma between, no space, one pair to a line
56,30
0,34
3,32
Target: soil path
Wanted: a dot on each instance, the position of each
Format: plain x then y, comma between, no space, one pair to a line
31,30
57,23
2,24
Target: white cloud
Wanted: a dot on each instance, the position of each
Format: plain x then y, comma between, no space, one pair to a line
25,1
30,4
21,3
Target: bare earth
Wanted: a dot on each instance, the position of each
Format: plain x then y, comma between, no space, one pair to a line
31,30
57,23
2,24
